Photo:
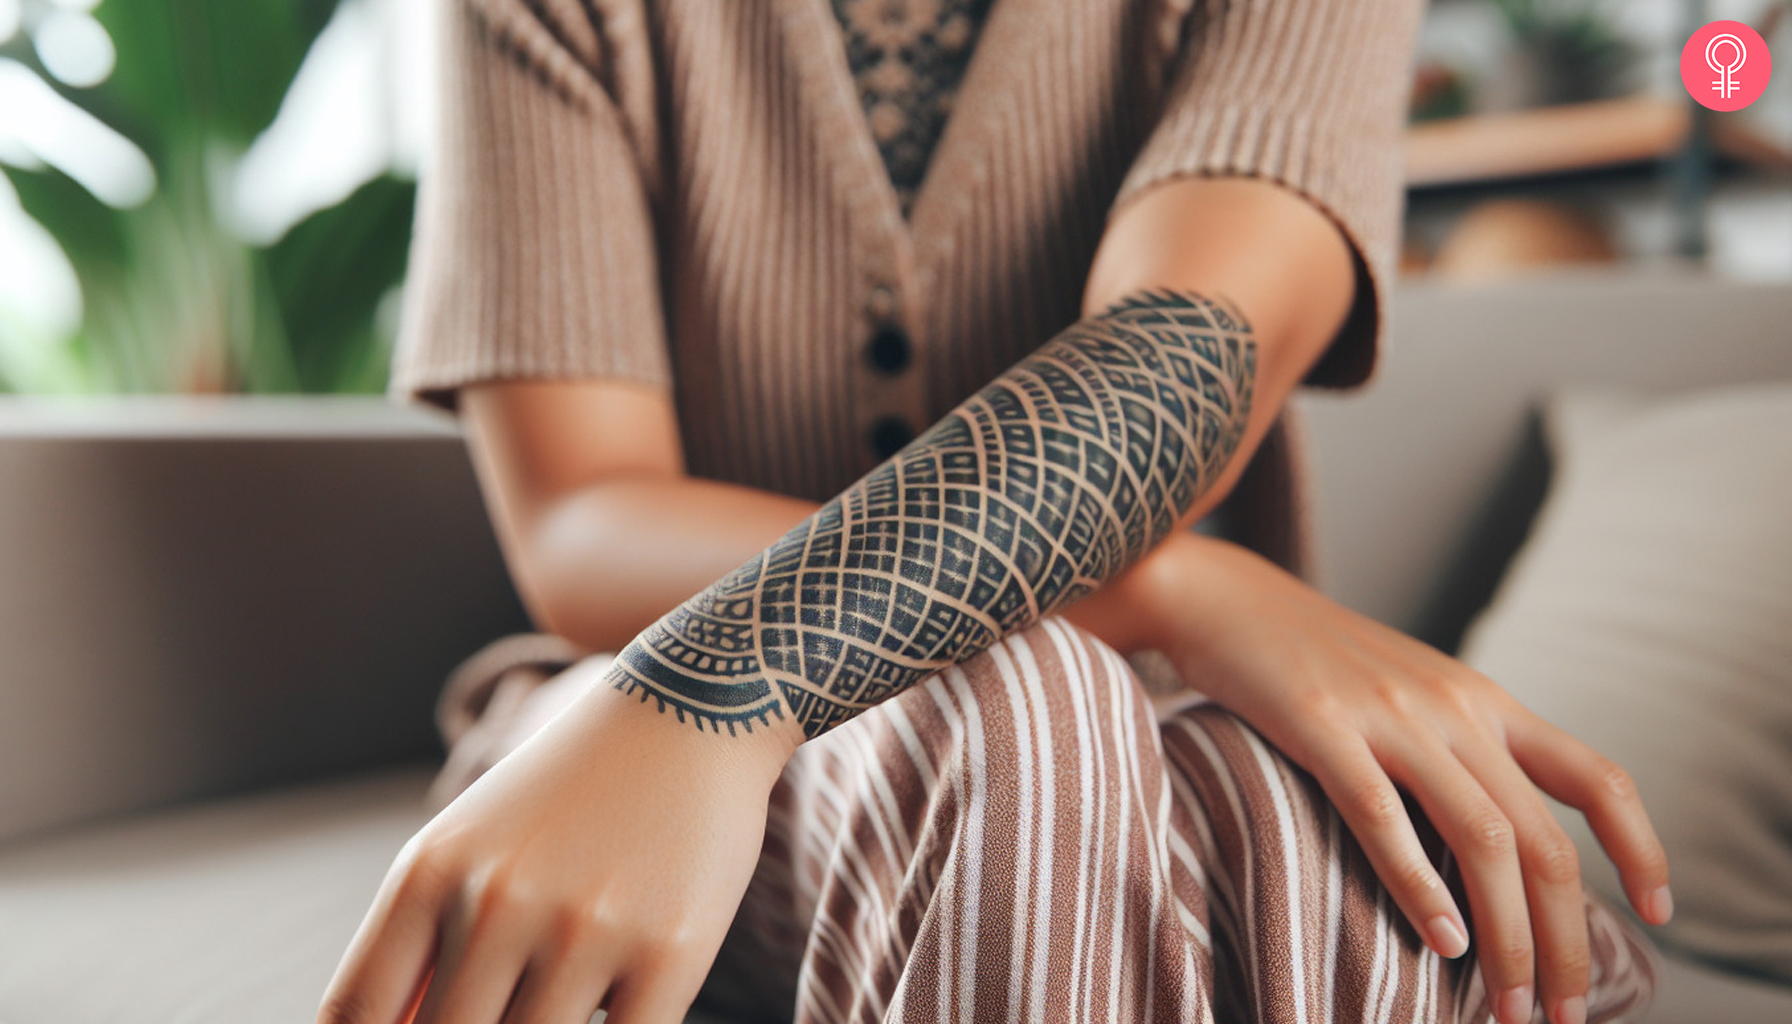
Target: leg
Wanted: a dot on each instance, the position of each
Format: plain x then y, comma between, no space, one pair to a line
992,845
888,885
1017,840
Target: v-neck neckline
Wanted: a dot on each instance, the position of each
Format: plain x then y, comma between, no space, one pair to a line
957,156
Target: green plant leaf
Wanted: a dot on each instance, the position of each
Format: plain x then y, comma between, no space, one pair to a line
211,68
89,231
170,299
329,275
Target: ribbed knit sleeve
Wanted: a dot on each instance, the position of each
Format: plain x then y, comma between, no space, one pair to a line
1311,94
534,251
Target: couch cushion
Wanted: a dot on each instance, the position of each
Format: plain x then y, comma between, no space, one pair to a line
1649,613
1689,993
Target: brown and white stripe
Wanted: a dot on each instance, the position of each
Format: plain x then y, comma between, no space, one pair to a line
1023,838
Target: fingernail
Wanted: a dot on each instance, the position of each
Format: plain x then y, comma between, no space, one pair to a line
1572,1010
1516,1005
1661,905
1447,937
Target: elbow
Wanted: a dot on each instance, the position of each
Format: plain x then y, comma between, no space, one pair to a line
573,608
558,560
544,596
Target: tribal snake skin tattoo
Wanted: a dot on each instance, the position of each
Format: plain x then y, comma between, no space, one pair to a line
1037,490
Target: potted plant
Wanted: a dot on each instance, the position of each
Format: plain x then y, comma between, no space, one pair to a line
257,587
173,298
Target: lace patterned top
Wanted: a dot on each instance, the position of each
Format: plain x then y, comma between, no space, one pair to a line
907,58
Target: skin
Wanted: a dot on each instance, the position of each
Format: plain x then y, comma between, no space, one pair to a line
1032,493
603,860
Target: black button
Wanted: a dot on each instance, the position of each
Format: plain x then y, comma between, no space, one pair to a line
888,436
889,349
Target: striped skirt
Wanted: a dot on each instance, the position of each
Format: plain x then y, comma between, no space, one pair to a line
1024,838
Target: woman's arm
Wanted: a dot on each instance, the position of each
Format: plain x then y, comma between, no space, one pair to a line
604,532
1034,492
605,857
1039,490
1273,650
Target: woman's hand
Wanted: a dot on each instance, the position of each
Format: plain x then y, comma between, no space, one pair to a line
601,862
1365,708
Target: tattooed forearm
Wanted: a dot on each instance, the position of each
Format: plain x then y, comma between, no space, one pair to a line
1035,491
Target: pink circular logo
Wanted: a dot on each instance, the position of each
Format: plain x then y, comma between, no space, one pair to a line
1725,65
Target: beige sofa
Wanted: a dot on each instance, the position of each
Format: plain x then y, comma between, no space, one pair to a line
221,629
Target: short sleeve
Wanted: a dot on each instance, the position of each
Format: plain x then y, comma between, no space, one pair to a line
534,255
1312,95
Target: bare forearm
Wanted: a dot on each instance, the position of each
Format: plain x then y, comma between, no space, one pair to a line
601,563
615,557
606,561
605,537
1044,486
603,530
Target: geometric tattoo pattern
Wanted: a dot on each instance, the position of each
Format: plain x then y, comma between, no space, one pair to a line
1035,491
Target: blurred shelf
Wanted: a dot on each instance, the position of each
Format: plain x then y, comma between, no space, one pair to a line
212,417
1573,138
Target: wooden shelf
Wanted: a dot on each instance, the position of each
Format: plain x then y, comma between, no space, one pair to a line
1572,138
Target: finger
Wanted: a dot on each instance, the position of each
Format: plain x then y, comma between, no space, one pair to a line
1580,777
1480,835
1371,807
1551,877
557,994
660,994
565,987
383,971
484,949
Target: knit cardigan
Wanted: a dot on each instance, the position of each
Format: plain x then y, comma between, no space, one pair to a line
685,194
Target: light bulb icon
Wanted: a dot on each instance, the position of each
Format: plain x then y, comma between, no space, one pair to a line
1716,59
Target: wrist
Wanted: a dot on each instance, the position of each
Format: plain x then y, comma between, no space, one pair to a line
758,747
1173,597
1137,610
1224,602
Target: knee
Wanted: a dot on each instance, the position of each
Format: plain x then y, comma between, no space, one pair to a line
1049,699
1232,769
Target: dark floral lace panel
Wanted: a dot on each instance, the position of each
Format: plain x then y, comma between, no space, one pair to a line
907,57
